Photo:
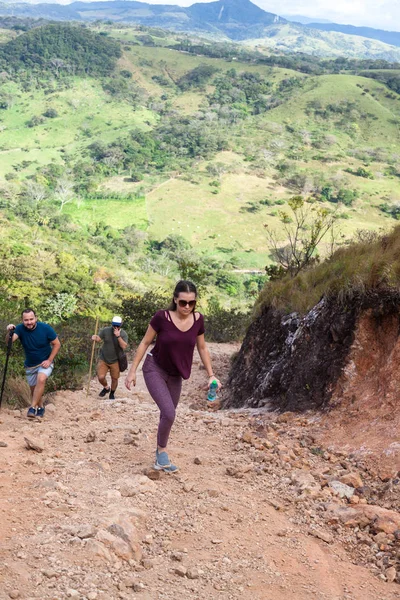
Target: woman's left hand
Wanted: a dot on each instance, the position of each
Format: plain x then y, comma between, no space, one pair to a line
211,379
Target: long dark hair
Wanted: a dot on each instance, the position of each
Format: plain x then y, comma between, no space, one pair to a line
182,286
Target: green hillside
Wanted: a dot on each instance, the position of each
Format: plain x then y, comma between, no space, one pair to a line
207,150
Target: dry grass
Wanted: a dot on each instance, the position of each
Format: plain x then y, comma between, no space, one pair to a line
17,392
351,271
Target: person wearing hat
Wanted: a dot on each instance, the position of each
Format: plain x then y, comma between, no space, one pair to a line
108,359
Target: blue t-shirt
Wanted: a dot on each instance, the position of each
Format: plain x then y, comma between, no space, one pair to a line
36,342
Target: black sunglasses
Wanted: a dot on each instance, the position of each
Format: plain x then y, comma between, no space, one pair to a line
190,303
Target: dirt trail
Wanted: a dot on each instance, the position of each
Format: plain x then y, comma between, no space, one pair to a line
80,520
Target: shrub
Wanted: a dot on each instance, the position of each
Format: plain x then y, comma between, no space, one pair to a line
34,121
138,310
225,325
50,113
72,362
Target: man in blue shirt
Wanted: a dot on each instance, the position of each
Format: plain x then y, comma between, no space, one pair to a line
40,344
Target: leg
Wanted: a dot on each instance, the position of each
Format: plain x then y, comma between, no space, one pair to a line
114,372
174,385
102,370
37,398
156,384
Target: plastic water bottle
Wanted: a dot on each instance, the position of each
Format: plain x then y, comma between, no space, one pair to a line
212,391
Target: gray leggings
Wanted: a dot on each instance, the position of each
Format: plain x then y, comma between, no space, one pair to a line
165,390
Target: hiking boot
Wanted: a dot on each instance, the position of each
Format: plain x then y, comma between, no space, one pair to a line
103,392
40,411
111,396
31,412
163,463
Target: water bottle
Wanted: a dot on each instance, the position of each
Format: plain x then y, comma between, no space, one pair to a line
212,391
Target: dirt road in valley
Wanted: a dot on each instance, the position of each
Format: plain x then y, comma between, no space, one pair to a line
81,520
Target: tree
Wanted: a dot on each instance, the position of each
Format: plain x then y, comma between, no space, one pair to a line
64,191
305,229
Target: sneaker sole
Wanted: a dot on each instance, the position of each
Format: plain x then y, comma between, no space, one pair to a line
31,416
166,469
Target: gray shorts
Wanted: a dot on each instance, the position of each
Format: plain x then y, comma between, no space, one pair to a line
32,373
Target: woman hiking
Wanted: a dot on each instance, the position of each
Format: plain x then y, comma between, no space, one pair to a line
178,329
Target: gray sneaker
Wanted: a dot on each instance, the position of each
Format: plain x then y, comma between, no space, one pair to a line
163,463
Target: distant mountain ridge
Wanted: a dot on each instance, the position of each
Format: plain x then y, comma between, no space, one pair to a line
388,37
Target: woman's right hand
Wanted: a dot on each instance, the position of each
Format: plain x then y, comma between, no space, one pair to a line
129,380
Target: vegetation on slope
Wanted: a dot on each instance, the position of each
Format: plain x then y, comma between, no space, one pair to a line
55,47
369,264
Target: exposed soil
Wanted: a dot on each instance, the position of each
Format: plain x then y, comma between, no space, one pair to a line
245,518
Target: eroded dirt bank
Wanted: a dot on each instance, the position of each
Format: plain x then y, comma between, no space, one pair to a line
252,513
342,359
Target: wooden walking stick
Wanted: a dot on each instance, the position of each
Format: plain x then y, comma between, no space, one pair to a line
91,358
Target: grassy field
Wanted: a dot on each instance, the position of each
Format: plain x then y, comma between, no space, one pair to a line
85,112
116,213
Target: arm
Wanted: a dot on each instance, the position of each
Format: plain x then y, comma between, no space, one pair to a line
55,347
122,343
205,359
140,352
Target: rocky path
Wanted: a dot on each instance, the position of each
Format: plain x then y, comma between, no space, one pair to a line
253,513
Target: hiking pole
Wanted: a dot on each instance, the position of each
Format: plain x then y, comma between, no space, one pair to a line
91,358
9,344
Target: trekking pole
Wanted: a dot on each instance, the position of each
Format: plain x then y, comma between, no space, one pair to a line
91,358
9,344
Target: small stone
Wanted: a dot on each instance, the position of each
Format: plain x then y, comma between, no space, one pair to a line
92,595
181,571
344,491
86,531
231,471
321,535
178,556
216,542
130,439
391,574
90,437
49,573
14,594
139,484
71,593
213,493
188,487
138,586
3,445
147,563
50,409
282,533
34,444
352,479
153,474
197,461
192,574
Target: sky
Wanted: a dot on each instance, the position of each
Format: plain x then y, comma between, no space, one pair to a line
380,14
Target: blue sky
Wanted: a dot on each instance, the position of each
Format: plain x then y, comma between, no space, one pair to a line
381,14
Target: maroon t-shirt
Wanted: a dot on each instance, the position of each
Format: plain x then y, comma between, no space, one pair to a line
174,348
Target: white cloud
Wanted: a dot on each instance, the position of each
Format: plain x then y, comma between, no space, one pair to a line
381,14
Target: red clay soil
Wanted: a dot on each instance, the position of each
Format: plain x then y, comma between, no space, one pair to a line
366,407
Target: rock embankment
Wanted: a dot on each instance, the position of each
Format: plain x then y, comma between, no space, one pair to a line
342,357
